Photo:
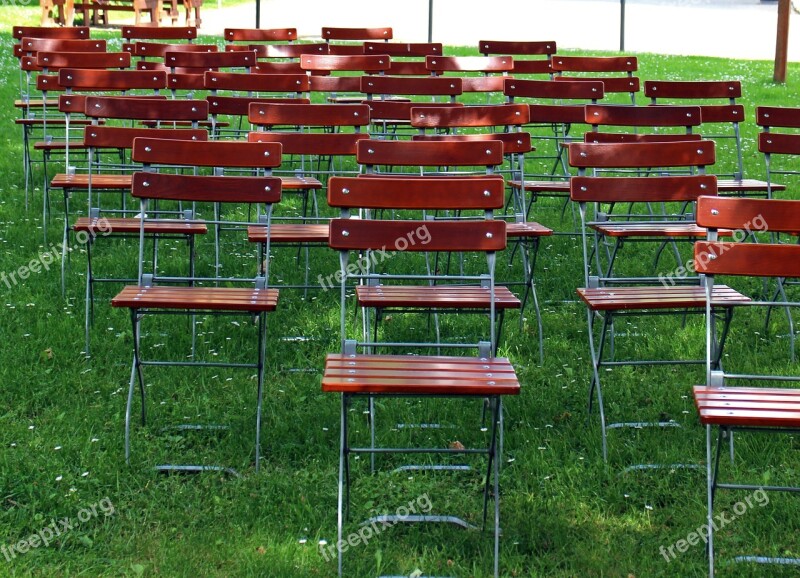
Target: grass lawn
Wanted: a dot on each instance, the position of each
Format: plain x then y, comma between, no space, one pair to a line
564,511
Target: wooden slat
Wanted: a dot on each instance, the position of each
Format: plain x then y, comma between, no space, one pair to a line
439,296
289,233
107,225
199,298
633,229
528,229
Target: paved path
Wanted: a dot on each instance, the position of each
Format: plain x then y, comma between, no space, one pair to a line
726,28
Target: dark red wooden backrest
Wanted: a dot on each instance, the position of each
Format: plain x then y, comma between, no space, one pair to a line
212,189
122,137
418,193
326,144
550,89
146,109
642,155
56,60
355,115
362,234
470,116
236,154
257,82
420,153
259,34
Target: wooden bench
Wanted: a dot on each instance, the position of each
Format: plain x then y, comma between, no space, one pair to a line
100,8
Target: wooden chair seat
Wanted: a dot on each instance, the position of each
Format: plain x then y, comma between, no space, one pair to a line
299,183
35,103
731,186
184,123
52,121
95,226
748,406
529,229
435,296
197,298
81,181
289,233
652,229
657,297
59,145
419,375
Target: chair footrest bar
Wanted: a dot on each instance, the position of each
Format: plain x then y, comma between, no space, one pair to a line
642,424
418,451
169,469
757,487
196,427
418,519
199,364
644,467
767,560
422,426
432,468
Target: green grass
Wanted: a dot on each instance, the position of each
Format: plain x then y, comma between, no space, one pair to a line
564,511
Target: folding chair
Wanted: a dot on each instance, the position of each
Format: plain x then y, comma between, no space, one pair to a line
496,122
639,296
415,159
706,94
55,144
232,107
749,407
355,375
615,72
491,70
779,142
519,50
336,87
33,102
554,109
103,177
408,58
244,294
322,140
340,39
391,99
658,119
122,82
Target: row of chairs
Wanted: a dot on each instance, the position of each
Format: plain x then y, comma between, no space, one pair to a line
463,206
607,296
